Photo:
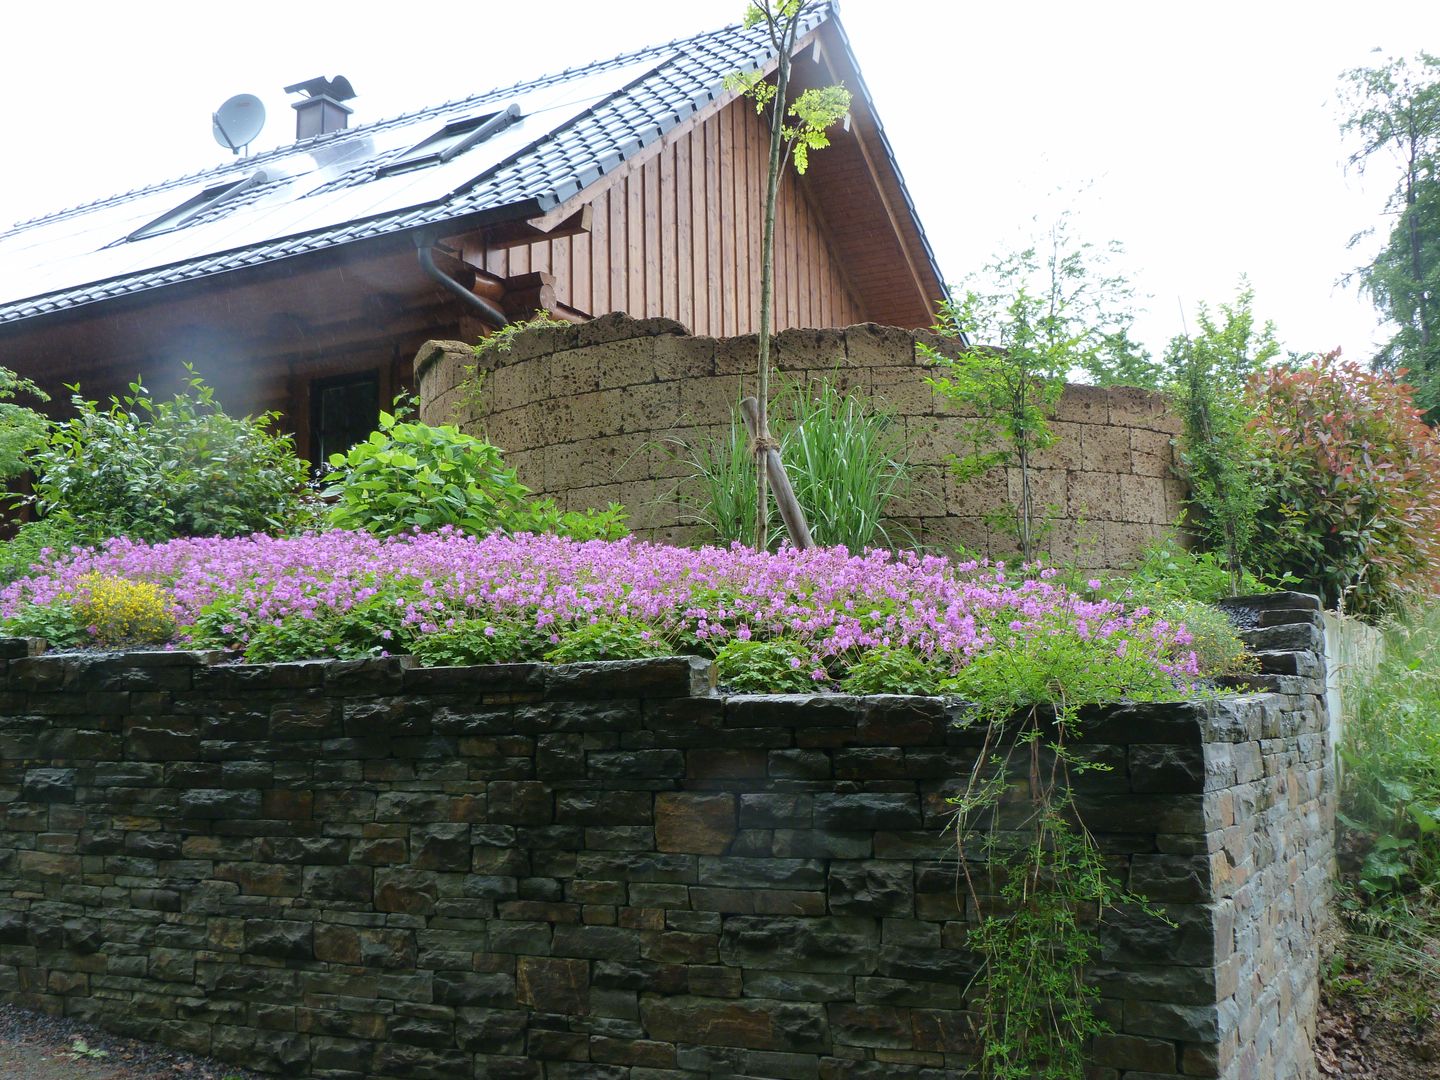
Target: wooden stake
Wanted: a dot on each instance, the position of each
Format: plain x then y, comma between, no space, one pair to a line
789,506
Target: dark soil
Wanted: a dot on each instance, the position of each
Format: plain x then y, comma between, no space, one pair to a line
1358,1040
34,1046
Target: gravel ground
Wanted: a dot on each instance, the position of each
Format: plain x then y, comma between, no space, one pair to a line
34,1046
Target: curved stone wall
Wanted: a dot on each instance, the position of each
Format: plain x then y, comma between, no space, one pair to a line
601,411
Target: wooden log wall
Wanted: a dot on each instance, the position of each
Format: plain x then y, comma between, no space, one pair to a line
679,235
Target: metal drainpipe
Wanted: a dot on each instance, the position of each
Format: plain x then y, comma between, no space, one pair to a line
479,303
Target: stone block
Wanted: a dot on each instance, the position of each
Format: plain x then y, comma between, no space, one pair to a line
692,822
755,1024
871,887
553,984
840,945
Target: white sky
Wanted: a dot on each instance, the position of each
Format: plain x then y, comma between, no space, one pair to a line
1203,136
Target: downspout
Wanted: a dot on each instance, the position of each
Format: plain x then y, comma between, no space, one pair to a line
493,314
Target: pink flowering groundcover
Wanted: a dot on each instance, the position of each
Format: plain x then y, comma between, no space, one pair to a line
833,604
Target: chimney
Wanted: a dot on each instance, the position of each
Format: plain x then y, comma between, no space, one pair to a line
320,111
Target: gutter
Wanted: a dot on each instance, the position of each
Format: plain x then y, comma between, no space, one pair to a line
489,311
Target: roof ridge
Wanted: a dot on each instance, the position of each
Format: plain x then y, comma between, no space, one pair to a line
256,161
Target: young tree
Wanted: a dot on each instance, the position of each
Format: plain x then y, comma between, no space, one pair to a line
1394,109
1047,313
796,128
1210,370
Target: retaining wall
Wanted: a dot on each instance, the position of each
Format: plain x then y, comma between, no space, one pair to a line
600,412
355,870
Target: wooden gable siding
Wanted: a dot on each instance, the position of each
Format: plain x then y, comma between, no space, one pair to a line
679,236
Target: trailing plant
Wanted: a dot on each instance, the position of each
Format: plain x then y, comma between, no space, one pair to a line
1217,453
470,394
1045,882
153,470
1012,347
1350,477
796,128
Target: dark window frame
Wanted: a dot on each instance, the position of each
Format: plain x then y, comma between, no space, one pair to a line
319,453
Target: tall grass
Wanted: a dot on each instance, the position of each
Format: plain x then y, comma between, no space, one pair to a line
1390,750
844,457
1390,810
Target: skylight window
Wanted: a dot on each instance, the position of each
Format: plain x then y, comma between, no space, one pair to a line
452,140
192,208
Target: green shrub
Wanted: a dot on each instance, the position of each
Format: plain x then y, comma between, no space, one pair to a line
608,639
413,475
775,666
117,611
543,516
155,470
22,429
1165,571
884,670
409,475
1351,481
36,541
1218,648
478,641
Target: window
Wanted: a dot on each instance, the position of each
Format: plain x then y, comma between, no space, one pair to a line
192,208
343,412
453,139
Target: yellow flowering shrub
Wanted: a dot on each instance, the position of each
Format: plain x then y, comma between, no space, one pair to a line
118,611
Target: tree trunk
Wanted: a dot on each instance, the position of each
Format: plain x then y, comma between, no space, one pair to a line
767,281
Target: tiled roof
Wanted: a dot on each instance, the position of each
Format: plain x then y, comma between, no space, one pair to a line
325,191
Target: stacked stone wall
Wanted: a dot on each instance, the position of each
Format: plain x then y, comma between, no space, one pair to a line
605,411
362,870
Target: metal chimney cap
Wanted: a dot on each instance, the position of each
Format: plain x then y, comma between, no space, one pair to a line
336,89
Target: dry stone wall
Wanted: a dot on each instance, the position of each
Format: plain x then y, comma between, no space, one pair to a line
603,411
362,870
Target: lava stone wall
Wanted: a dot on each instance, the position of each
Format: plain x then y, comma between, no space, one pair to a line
607,872
603,412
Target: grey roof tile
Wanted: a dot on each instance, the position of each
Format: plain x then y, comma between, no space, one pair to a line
690,74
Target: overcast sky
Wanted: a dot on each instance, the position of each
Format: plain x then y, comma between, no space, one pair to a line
1202,136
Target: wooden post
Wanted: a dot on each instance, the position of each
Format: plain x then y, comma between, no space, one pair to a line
790,511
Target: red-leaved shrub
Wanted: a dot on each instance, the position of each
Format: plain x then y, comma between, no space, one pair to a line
1350,476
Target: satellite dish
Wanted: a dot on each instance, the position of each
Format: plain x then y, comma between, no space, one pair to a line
238,121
